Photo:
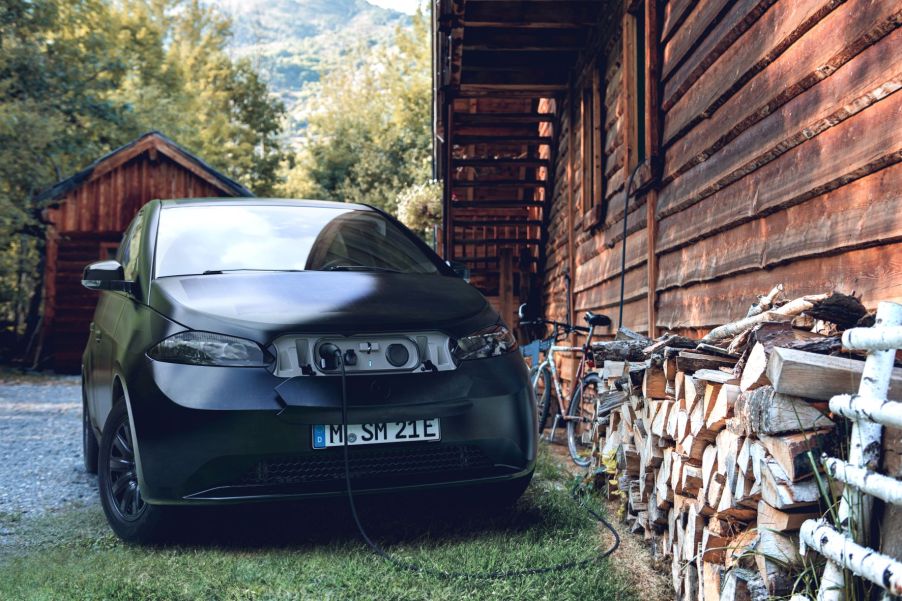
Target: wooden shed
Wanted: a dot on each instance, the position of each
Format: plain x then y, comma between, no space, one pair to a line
764,135
86,217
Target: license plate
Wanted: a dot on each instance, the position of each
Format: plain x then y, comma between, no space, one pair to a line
330,435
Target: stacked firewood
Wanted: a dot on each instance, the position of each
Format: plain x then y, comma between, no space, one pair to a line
718,441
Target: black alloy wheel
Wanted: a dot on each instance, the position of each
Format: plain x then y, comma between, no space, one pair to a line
122,476
129,515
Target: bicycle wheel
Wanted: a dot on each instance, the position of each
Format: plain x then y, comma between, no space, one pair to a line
582,407
540,378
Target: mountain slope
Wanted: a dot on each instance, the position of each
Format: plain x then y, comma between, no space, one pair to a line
293,42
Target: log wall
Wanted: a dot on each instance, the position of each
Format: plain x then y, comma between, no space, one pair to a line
779,145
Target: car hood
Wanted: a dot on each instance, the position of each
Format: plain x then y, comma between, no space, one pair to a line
260,306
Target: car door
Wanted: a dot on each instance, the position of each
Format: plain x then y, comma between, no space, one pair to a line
107,317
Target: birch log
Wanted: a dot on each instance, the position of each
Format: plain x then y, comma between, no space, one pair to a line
783,313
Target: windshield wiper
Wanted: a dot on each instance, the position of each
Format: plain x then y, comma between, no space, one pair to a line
221,271
360,268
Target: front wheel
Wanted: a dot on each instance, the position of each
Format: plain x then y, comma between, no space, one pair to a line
540,377
131,518
580,419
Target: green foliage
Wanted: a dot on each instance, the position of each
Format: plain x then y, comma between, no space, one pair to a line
293,42
369,133
420,207
81,77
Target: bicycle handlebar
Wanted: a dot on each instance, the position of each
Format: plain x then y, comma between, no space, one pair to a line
564,326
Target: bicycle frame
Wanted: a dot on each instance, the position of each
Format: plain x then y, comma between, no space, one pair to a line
555,377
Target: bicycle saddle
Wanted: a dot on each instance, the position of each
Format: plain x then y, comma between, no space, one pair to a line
597,319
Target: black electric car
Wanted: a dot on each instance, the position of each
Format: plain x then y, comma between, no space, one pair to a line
213,372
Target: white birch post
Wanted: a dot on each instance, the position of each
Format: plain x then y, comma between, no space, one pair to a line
864,449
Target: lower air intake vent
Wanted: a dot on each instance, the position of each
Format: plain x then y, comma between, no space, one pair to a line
325,466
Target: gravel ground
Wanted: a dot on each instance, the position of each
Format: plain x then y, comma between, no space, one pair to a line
41,465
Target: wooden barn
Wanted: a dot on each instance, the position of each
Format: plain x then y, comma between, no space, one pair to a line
764,138
86,217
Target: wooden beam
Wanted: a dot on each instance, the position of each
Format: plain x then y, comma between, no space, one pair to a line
489,118
499,183
543,78
501,162
504,38
497,204
524,241
506,93
652,144
497,222
567,14
507,60
511,140
571,219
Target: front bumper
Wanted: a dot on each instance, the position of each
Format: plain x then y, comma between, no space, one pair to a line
209,435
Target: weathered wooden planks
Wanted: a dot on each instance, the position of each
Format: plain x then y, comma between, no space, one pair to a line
775,31
852,149
876,273
735,22
866,79
693,29
872,214
675,12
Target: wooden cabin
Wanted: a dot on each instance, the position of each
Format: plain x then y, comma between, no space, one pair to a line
763,138
86,217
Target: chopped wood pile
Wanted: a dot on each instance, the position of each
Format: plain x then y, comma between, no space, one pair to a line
717,446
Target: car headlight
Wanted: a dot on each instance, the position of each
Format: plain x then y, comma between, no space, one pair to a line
206,348
488,342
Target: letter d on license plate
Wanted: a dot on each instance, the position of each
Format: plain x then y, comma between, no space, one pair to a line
332,435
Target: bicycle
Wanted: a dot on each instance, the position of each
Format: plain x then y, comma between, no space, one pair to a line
545,374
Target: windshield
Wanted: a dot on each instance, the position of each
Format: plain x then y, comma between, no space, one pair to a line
217,239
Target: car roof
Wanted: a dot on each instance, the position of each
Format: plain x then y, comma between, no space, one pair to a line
261,202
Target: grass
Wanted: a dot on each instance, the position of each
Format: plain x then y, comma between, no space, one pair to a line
312,552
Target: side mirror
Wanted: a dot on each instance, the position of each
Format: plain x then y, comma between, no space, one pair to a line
462,271
106,275
522,312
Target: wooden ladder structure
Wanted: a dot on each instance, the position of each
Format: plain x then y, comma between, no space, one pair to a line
497,60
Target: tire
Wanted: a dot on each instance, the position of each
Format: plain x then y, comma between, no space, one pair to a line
542,393
89,447
131,518
579,453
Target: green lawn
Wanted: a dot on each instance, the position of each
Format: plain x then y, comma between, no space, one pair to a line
311,552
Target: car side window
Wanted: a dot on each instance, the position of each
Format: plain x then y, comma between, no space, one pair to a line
128,251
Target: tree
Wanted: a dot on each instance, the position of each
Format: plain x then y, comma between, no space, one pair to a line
182,81
56,75
81,77
369,135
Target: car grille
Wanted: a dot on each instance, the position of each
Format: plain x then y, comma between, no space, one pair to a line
326,466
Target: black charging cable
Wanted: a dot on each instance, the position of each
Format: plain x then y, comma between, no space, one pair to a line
626,209
443,574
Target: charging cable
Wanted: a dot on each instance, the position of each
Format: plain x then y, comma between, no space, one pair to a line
443,574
